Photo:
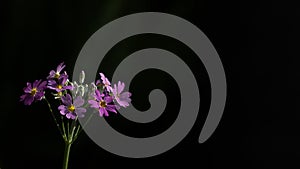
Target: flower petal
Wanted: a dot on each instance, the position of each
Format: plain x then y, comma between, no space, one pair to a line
42,86
63,79
125,95
105,81
71,116
23,97
39,95
62,109
114,90
28,88
28,99
94,104
111,108
67,100
80,112
103,111
51,74
36,83
51,87
68,87
60,67
108,88
121,87
78,101
98,96
98,82
122,102
108,99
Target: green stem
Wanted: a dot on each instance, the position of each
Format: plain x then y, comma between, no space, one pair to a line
55,120
63,127
76,132
68,128
66,154
68,144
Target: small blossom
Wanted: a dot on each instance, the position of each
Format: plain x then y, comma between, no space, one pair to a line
123,99
60,84
72,109
33,92
103,103
56,74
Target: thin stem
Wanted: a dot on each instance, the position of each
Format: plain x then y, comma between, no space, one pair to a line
66,155
69,142
68,128
71,133
63,127
55,120
79,130
76,133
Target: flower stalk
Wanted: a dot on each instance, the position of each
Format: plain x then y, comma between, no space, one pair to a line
66,155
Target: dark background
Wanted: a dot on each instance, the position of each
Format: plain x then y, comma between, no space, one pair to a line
257,43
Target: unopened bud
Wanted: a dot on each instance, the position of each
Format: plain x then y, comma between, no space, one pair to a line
81,77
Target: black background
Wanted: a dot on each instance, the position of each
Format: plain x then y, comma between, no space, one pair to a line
257,43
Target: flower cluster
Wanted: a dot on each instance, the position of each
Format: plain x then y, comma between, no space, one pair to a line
75,97
33,91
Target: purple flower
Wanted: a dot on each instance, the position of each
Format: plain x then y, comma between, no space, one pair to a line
103,103
121,98
56,74
33,92
71,110
105,82
60,84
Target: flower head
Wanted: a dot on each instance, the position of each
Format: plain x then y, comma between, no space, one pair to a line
60,84
104,103
123,99
56,74
33,92
72,109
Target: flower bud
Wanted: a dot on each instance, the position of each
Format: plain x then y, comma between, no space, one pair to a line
81,90
81,77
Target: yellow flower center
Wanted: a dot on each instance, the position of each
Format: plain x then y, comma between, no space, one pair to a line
102,103
59,86
33,91
57,75
71,108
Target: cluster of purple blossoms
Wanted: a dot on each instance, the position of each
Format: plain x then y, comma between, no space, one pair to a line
108,99
100,96
34,91
75,98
